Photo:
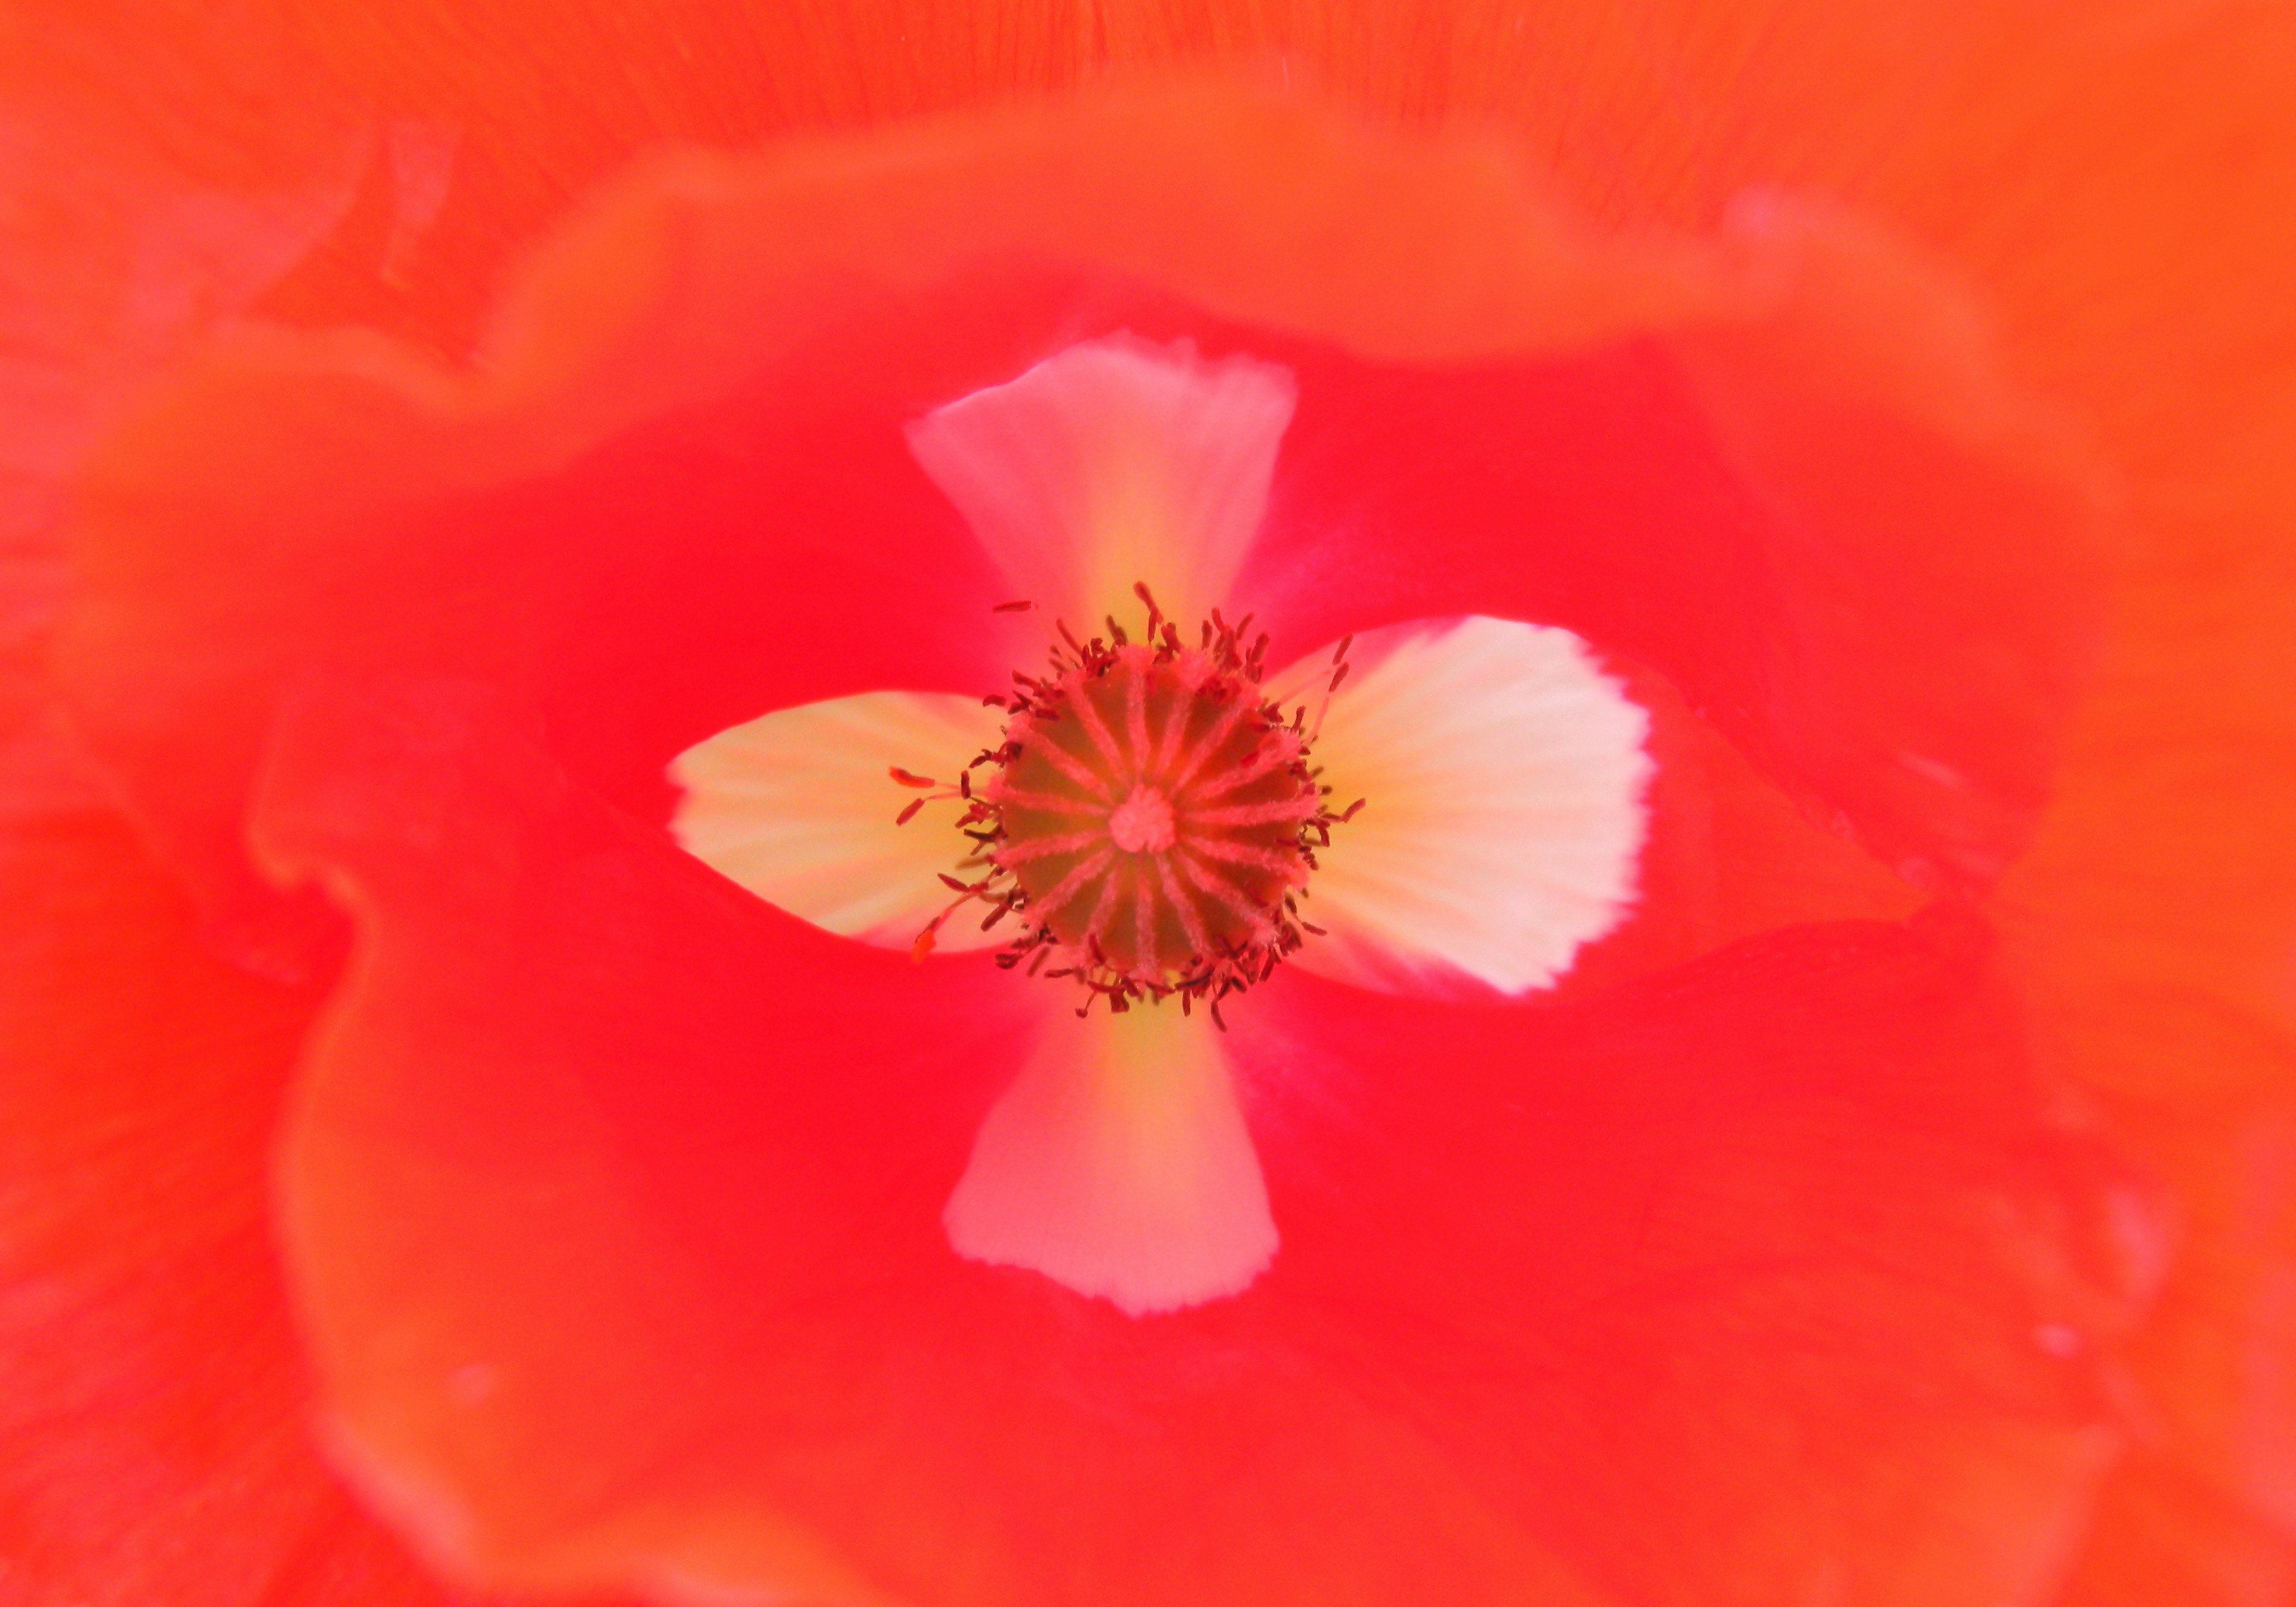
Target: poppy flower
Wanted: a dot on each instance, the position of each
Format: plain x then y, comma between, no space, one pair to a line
1685,1166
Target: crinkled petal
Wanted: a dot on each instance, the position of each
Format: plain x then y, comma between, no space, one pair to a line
660,343
1729,853
153,1443
800,807
135,220
1884,660
614,1197
1766,1279
606,1169
672,492
2154,924
138,219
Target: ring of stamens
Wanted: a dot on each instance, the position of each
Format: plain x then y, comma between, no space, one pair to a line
1150,819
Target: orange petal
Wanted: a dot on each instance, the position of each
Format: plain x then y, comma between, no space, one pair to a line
153,1439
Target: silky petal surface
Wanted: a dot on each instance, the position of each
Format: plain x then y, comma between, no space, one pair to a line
1113,463
134,229
558,1114
1602,495
799,806
714,324
641,629
155,1444
1503,777
1119,1166
1810,1179
1729,853
588,1126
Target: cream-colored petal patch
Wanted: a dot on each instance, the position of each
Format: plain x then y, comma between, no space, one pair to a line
1118,1164
799,806
1114,462
1503,774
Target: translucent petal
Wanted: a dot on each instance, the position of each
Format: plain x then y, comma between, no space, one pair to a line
1117,1165
1503,776
799,806
1114,462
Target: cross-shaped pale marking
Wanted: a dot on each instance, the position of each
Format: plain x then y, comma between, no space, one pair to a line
1504,772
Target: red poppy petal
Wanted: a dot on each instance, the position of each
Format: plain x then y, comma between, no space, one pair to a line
565,1041
679,467
134,224
1607,1251
659,587
1730,853
2164,1533
616,1197
2155,924
727,347
1909,546
137,219
152,1435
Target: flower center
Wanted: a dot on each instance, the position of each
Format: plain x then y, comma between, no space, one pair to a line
1143,823
1150,816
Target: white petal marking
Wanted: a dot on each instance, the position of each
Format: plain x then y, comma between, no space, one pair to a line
1505,773
1119,1166
797,807
1114,461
